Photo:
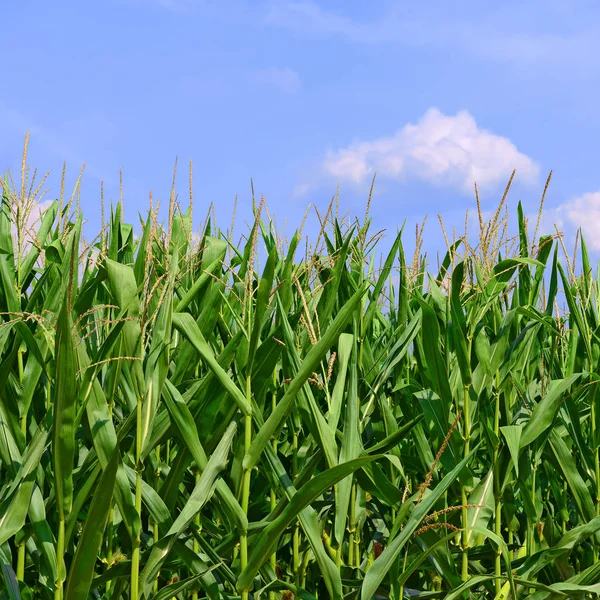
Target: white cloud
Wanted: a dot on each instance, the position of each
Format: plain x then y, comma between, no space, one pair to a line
580,212
440,149
494,35
284,79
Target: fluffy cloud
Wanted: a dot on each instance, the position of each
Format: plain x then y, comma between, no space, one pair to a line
581,212
440,149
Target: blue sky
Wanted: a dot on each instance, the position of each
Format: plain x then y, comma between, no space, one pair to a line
300,95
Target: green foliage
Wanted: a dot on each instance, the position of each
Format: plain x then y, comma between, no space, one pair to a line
176,422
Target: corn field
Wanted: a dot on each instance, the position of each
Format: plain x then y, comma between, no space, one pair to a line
186,417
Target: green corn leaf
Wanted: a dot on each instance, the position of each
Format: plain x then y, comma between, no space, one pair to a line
568,466
174,590
10,582
184,422
382,565
305,495
14,509
459,324
63,433
337,396
81,572
262,300
312,359
544,412
186,325
512,435
479,515
351,449
436,368
199,497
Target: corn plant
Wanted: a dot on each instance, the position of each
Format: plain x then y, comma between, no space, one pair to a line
186,417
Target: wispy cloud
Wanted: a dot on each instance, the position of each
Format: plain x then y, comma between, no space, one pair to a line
439,149
503,33
495,35
581,212
284,79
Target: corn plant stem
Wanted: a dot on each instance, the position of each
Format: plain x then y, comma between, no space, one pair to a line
596,455
273,558
246,484
532,527
197,522
351,549
135,554
596,468
155,539
393,512
273,497
565,500
465,536
155,524
393,480
296,538
464,494
60,557
109,542
328,546
23,422
245,499
304,568
296,553
497,495
352,525
111,515
401,590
